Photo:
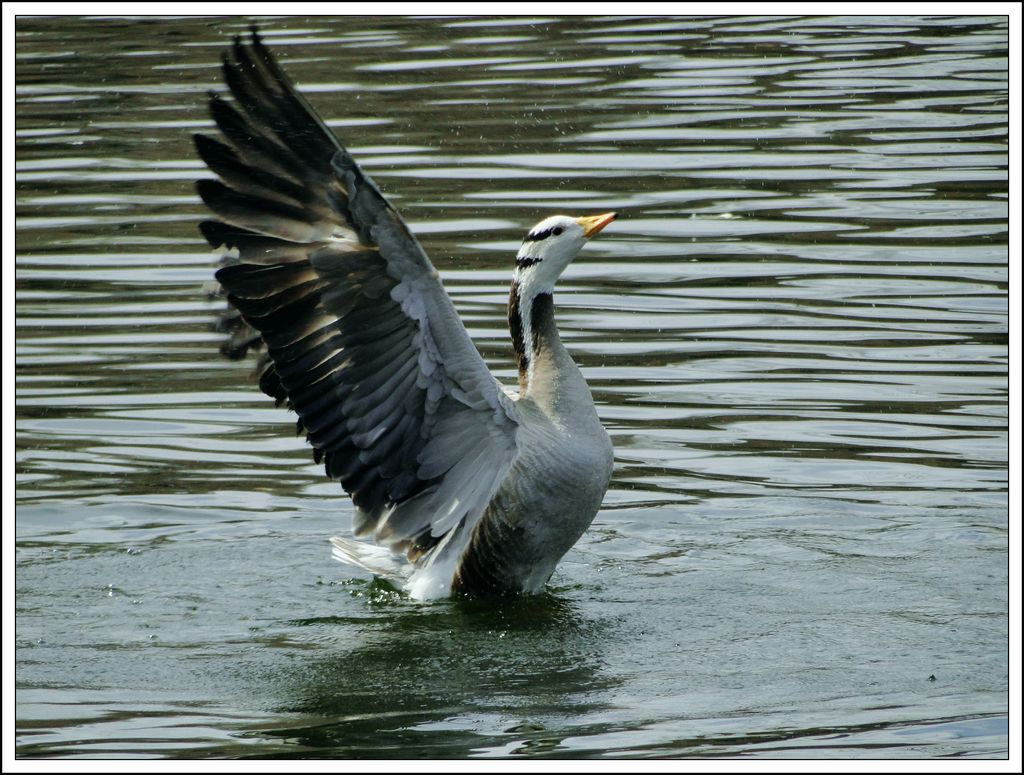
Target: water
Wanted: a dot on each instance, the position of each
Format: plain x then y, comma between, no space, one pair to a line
796,335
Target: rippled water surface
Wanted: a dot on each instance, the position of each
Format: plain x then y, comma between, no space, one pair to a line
796,335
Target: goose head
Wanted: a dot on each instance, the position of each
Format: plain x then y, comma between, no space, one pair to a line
550,247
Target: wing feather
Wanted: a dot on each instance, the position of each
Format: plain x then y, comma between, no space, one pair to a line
361,339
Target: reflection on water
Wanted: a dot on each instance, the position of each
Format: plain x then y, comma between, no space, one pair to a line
796,334
426,672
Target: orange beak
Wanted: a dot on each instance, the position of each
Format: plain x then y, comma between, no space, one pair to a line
592,224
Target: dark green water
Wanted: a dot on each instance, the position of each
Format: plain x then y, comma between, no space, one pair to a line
796,335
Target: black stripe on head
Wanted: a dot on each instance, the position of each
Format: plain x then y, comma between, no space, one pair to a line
524,261
535,236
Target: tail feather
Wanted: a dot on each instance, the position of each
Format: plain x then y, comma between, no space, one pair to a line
378,560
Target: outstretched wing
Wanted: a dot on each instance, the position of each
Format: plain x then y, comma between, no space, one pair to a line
362,340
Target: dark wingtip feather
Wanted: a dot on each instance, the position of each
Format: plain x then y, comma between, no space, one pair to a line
257,43
215,233
210,191
213,152
230,204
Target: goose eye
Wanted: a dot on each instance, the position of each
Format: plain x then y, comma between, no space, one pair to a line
557,230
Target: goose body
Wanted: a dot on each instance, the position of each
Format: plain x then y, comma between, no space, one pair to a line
466,488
